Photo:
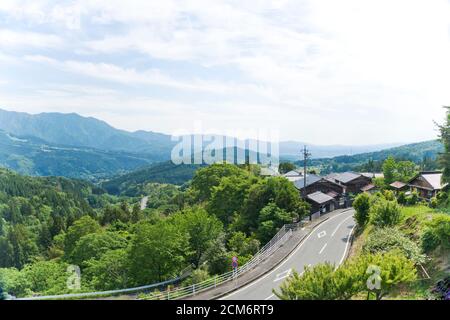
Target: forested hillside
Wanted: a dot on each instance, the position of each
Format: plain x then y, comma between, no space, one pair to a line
32,156
47,224
423,153
131,184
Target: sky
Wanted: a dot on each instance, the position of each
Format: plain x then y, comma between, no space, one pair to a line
321,71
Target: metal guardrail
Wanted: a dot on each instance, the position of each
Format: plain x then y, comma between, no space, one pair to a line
278,240
183,274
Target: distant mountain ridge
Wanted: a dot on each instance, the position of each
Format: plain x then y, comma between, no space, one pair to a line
74,130
71,129
84,147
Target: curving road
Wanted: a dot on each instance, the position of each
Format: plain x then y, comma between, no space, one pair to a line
329,241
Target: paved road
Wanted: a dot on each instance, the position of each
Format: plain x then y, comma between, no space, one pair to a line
329,241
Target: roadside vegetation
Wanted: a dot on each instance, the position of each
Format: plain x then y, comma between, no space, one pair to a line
401,247
47,224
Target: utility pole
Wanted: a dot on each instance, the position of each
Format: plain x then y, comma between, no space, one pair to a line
306,155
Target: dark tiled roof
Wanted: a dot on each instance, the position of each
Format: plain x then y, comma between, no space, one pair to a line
344,177
319,197
310,179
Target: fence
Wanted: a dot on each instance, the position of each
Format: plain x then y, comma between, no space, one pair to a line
278,240
183,275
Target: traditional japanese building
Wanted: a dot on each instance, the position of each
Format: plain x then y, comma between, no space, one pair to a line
427,184
353,182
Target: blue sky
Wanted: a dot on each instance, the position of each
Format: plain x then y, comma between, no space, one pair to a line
321,71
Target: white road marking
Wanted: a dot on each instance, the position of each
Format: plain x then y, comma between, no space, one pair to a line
283,275
293,253
270,297
346,246
322,234
323,248
338,226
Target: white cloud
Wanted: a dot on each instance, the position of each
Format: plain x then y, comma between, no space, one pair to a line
10,38
380,66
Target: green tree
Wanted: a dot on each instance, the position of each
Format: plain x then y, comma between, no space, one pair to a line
271,219
394,269
444,158
157,252
47,277
110,271
285,167
322,282
389,170
206,178
278,190
228,197
94,245
201,229
385,213
81,227
362,207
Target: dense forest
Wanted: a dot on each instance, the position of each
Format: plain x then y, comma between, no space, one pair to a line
424,154
131,184
47,224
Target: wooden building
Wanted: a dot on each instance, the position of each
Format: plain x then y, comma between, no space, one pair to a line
353,182
320,202
398,186
427,184
315,183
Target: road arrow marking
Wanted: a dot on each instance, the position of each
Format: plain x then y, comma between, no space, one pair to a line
282,275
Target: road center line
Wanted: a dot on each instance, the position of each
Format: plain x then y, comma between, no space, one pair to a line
323,248
339,225
286,259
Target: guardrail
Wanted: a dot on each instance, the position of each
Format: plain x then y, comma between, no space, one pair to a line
278,240
183,275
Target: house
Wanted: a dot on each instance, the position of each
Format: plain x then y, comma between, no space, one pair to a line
370,188
303,182
427,184
398,186
293,175
353,182
320,202
315,183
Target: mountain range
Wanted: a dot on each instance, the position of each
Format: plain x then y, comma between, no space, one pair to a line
84,147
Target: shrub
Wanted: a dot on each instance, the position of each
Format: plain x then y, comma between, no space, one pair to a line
388,238
433,202
436,233
401,198
385,213
362,207
389,195
413,198
429,241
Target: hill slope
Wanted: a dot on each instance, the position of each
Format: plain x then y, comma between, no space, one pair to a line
35,157
75,130
415,152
